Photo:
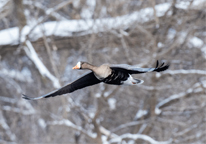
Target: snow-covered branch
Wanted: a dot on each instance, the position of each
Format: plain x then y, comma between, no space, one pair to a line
185,72
171,121
21,103
151,88
108,95
18,110
31,53
138,136
5,8
14,74
48,11
141,113
58,7
8,100
6,127
197,88
187,130
203,49
6,142
107,132
72,125
83,27
190,138
133,123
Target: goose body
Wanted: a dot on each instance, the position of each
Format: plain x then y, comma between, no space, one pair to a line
115,75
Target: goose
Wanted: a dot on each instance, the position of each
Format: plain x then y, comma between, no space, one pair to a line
109,74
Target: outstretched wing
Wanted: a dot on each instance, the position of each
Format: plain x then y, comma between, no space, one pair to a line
87,80
135,70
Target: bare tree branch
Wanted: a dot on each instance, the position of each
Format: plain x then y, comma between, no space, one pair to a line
138,136
196,88
6,128
185,72
71,125
31,53
47,11
133,123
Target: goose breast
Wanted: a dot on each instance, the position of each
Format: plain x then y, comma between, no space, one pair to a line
102,72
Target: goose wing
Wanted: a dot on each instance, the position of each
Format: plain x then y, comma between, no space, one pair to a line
87,80
136,70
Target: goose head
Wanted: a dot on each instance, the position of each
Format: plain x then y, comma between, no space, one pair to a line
78,65
83,65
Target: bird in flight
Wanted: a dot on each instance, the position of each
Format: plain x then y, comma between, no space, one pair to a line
110,74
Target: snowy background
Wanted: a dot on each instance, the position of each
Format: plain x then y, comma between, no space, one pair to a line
40,42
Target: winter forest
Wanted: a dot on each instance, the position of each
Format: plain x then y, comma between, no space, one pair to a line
40,42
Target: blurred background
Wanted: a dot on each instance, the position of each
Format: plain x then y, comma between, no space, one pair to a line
40,42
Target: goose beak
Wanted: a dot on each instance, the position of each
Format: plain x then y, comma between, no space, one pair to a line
76,67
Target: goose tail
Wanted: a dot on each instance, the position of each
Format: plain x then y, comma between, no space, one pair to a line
162,67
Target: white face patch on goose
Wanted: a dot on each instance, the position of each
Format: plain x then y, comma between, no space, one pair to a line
79,64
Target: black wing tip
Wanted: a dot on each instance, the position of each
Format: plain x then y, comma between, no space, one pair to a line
162,67
30,98
27,97
157,64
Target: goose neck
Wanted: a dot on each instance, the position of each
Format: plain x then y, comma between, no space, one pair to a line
89,66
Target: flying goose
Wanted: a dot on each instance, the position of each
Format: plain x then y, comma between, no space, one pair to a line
109,74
